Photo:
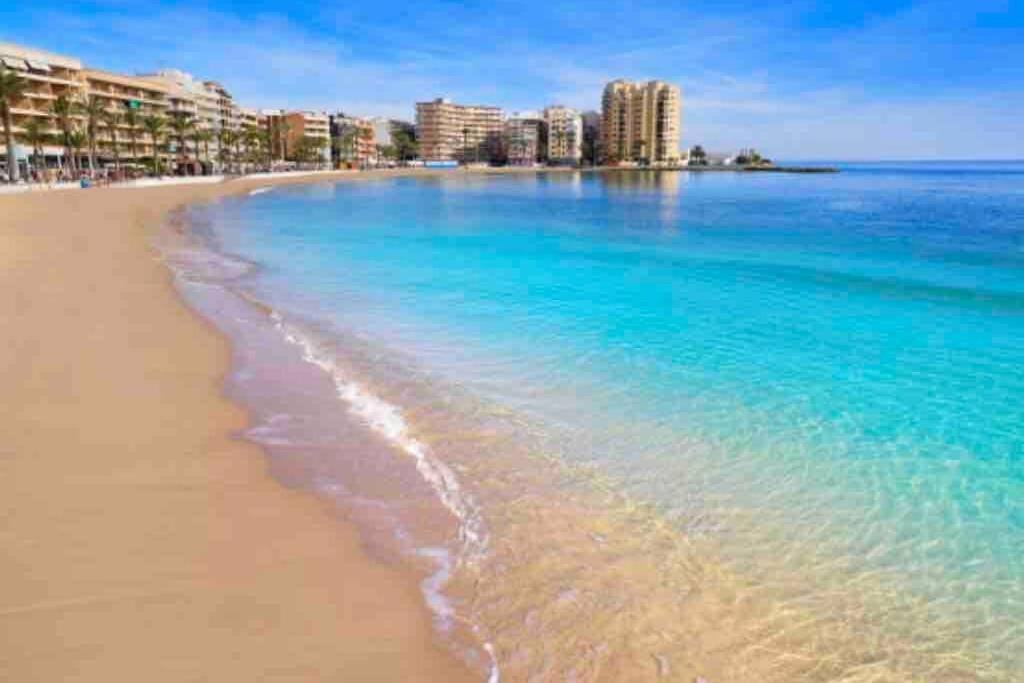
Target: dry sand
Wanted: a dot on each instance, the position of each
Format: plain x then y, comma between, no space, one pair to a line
139,541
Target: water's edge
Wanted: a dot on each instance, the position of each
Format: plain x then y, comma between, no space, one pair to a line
206,280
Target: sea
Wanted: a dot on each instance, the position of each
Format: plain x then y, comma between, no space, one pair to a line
653,425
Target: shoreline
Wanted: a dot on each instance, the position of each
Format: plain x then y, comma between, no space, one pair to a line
284,178
173,543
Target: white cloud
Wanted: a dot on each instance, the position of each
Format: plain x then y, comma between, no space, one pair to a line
747,79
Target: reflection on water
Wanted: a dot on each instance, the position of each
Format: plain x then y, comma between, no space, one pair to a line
666,182
727,432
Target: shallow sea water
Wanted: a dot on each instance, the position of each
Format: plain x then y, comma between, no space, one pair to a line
636,425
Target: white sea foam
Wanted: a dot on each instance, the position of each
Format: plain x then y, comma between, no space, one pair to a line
386,419
434,584
260,190
495,675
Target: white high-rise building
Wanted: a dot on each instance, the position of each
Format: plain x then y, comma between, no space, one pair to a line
565,135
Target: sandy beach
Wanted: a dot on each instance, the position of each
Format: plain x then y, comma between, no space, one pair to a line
140,540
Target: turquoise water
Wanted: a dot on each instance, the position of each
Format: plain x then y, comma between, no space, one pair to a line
823,375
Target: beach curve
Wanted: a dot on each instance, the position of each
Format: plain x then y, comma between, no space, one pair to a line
141,539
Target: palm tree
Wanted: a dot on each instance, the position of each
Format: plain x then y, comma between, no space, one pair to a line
265,144
112,119
154,125
259,144
281,135
227,143
348,145
202,136
12,88
132,123
365,139
36,136
76,141
182,126
63,110
93,109
560,142
235,146
317,146
248,138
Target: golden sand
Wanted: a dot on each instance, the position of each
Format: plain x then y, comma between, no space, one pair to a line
139,540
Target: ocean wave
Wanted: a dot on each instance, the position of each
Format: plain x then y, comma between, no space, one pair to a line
386,420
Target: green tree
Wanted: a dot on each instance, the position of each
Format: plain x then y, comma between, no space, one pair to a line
404,145
301,153
264,147
112,119
63,110
181,127
226,141
366,138
202,136
316,150
93,110
348,144
259,142
36,136
132,124
155,126
12,88
279,130
560,138
77,140
698,157
251,138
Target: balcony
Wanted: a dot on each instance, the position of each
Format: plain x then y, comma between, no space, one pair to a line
43,78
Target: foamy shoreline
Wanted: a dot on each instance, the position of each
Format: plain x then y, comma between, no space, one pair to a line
276,374
132,515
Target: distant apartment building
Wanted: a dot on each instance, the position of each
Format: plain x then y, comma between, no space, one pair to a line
123,94
250,118
353,140
49,76
640,122
287,129
466,133
315,126
525,142
207,103
565,135
273,121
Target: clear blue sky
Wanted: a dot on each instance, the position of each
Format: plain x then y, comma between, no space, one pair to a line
802,79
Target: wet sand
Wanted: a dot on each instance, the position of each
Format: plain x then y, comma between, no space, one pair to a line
140,540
